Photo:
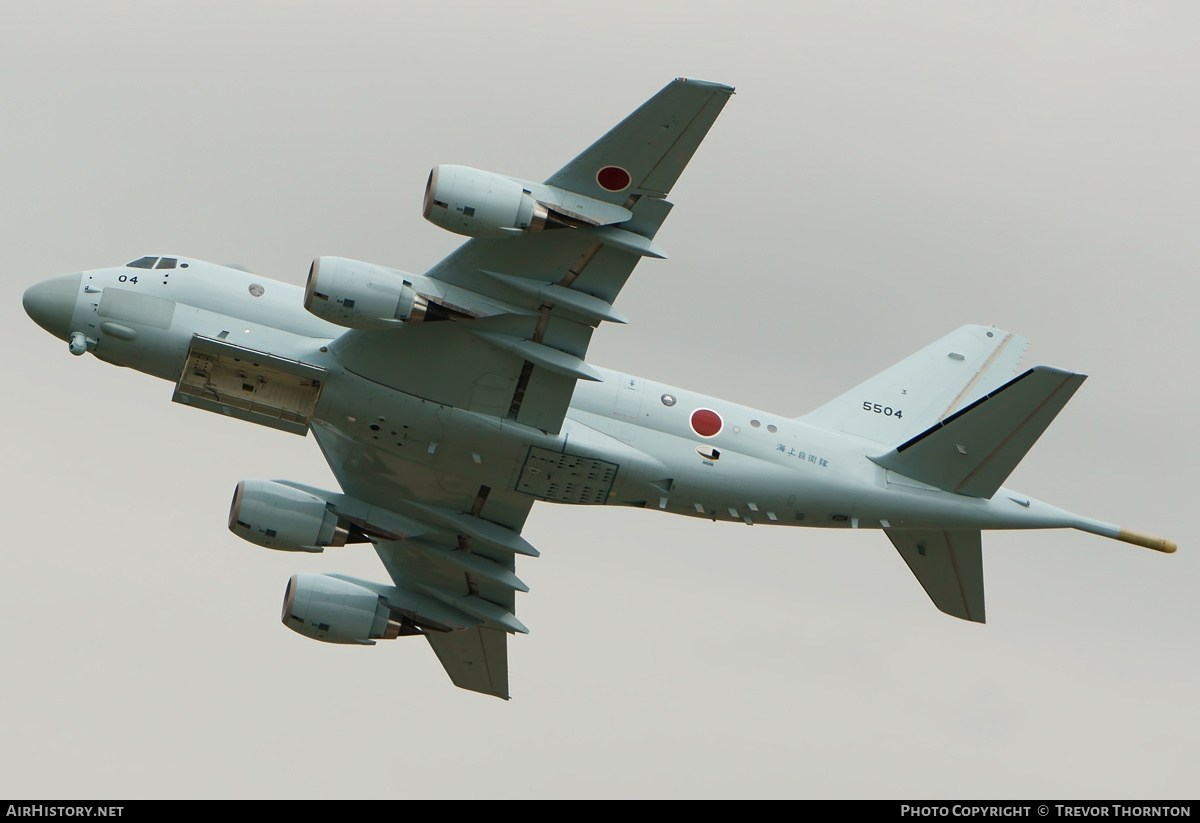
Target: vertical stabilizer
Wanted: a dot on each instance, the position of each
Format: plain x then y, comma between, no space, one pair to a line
926,388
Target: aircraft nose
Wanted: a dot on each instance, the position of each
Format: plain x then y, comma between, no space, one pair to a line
51,303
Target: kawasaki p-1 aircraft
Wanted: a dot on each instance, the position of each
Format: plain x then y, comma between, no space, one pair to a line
448,403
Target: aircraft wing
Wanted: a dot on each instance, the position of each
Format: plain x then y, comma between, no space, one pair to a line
653,144
504,337
526,304
456,550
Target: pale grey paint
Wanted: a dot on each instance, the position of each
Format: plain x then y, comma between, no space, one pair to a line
1022,164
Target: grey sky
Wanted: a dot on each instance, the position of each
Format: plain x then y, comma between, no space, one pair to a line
885,173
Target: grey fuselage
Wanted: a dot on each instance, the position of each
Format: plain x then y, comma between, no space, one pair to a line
759,468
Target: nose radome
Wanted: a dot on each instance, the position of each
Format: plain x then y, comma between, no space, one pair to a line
51,303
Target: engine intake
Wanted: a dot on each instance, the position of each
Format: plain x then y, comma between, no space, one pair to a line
360,295
333,610
278,516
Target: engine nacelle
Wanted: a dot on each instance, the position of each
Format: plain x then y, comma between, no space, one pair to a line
360,295
336,611
277,516
480,204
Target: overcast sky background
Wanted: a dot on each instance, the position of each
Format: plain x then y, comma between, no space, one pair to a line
885,173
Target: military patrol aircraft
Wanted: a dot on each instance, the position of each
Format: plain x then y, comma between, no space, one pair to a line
448,403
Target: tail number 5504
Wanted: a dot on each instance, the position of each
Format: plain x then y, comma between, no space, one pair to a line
887,411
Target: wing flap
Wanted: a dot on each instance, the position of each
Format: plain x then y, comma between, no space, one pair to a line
545,401
948,565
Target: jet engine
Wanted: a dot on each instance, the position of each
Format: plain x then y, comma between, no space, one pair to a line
278,516
333,610
480,204
360,295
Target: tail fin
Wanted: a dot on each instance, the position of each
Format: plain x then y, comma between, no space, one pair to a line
926,388
974,450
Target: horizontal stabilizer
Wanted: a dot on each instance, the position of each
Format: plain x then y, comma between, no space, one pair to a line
949,565
973,451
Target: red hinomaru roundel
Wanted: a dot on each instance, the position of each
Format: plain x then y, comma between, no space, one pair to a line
613,178
706,422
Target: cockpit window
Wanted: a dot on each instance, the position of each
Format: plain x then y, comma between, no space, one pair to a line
167,263
144,263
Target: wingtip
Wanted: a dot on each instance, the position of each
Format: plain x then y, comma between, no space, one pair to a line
705,83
